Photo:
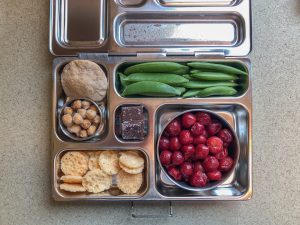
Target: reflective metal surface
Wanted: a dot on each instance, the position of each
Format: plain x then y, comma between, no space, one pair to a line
237,111
130,27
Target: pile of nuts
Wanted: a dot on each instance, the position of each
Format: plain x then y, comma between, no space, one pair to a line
81,119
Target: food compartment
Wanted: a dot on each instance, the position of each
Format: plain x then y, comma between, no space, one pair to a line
176,78
238,185
61,100
168,30
187,3
131,122
80,187
81,24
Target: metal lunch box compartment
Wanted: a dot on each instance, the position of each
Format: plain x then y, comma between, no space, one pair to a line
110,34
112,194
238,184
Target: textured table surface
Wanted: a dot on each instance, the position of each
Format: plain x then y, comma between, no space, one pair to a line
25,90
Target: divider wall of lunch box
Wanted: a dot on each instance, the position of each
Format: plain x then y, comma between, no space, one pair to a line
236,110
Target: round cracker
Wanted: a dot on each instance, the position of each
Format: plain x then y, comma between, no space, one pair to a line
129,183
74,163
96,181
72,187
109,162
94,160
131,160
131,171
71,179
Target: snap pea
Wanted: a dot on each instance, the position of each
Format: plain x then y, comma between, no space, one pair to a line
187,76
180,89
196,71
211,91
218,67
155,67
171,79
206,84
151,88
183,70
123,82
214,76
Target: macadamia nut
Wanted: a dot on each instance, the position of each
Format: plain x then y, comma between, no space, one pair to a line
92,130
94,108
85,104
97,119
76,104
83,134
77,119
75,129
82,113
90,114
86,124
67,120
68,110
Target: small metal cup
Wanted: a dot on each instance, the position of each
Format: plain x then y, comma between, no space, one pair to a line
72,136
225,176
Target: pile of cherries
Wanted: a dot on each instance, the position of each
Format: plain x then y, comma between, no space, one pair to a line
194,148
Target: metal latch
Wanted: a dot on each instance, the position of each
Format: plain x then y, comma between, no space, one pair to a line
210,54
151,54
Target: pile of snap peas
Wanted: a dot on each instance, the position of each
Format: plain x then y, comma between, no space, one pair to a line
170,79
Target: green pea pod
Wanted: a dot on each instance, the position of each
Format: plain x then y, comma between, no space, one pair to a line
214,76
217,91
206,84
191,93
171,79
183,70
196,71
123,82
155,67
151,88
187,76
217,67
180,89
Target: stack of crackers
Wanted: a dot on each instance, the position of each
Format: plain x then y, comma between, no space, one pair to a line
93,171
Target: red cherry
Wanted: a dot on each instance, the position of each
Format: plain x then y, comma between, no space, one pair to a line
225,136
186,169
164,143
174,144
215,144
175,173
185,137
198,179
203,118
214,128
214,175
226,164
177,158
165,157
188,151
222,154
173,128
205,134
198,167
201,152
210,164
199,140
188,120
197,129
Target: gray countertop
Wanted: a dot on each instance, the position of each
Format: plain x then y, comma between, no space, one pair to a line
25,67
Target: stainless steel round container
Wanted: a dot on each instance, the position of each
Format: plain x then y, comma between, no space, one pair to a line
235,154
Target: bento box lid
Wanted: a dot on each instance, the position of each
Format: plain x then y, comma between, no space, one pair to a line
170,27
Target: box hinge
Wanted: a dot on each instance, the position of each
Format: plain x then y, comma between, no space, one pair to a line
93,56
151,54
210,54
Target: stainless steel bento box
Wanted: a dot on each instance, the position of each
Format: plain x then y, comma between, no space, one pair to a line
112,33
